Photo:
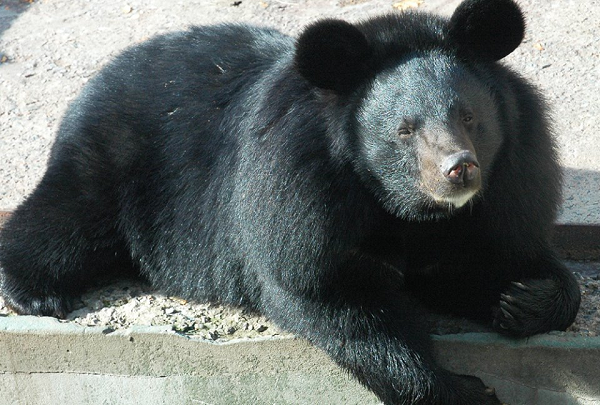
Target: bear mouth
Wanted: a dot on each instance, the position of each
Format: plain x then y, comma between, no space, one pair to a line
455,201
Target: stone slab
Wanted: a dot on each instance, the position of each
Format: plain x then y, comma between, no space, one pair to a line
44,361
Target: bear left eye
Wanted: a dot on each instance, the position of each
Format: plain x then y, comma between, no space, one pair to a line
467,118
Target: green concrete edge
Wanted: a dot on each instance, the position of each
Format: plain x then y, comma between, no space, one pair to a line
45,361
551,369
559,340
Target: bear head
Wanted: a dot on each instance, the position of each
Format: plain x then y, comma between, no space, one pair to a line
426,125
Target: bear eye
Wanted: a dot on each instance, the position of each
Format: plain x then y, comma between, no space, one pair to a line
467,118
405,132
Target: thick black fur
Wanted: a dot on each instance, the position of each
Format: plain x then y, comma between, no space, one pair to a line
480,33
231,164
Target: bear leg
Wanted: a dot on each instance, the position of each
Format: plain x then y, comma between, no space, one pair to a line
546,297
53,245
368,325
522,297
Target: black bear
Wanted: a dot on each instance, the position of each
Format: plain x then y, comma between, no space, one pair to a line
325,182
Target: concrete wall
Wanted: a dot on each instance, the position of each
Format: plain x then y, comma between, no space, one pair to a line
43,361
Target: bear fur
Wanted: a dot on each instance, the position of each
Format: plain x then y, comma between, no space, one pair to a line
323,181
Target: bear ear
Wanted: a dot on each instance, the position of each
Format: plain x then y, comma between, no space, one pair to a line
333,55
487,29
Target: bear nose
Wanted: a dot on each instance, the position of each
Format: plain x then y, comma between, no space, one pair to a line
461,167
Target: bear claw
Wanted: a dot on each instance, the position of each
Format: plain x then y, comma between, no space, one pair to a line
535,307
520,285
507,314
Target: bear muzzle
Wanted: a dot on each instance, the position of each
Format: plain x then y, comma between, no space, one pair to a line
455,181
461,168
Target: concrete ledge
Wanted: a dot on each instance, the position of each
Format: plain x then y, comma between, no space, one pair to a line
44,361
551,369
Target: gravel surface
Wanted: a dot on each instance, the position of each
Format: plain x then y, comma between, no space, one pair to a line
127,303
130,302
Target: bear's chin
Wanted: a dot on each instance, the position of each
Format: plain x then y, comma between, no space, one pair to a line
430,208
455,201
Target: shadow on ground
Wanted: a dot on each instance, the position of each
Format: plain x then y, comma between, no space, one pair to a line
10,11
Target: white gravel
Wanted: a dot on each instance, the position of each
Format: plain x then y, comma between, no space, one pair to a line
128,302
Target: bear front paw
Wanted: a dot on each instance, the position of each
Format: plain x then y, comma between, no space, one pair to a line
474,391
536,306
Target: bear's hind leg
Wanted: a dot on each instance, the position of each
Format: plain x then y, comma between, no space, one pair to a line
53,245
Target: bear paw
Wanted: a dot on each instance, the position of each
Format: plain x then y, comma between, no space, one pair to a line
35,304
534,306
474,391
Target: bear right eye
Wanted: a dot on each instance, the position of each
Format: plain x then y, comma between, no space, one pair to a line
405,132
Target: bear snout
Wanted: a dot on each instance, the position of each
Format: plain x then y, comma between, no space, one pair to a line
461,168
454,181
